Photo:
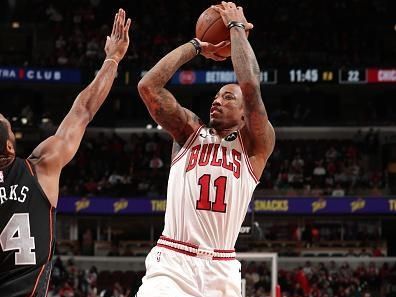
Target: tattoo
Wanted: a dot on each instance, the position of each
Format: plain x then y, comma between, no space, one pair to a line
247,71
162,105
162,72
168,113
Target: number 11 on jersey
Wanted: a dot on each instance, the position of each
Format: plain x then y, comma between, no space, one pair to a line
203,202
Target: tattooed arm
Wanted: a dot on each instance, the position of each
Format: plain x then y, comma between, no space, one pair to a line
260,135
162,105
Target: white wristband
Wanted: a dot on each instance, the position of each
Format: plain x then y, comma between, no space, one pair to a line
109,59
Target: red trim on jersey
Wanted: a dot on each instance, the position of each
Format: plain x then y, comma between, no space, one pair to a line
224,251
49,256
223,258
29,167
191,254
185,149
191,245
250,168
51,231
177,250
194,246
49,277
37,280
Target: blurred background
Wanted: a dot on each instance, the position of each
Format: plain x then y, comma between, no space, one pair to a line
326,202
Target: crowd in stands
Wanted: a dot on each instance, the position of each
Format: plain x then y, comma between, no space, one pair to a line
67,280
326,167
114,167
331,33
139,166
314,280
322,280
314,107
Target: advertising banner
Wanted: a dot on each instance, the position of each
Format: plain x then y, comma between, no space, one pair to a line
40,75
274,205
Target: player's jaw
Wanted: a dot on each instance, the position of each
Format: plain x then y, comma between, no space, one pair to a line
223,118
216,117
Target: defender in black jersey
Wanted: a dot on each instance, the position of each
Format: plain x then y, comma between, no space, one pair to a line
29,187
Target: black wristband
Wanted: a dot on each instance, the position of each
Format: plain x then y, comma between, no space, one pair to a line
197,45
232,24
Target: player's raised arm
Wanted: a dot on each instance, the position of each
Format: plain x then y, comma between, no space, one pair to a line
56,151
261,135
162,105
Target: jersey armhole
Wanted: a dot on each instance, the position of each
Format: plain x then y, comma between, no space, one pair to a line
186,146
33,173
30,167
245,155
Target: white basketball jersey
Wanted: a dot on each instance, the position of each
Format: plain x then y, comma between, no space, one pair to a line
210,185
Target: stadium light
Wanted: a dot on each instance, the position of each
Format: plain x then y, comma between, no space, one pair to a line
15,25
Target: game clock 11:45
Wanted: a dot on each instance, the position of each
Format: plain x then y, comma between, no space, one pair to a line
303,75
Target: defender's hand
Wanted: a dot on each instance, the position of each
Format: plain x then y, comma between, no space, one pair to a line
117,44
230,12
208,50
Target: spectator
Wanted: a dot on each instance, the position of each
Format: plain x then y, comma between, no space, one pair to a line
351,253
338,191
319,173
364,253
66,290
377,252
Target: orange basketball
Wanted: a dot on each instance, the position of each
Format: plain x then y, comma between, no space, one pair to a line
210,28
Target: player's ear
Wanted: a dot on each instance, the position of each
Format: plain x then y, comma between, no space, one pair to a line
10,148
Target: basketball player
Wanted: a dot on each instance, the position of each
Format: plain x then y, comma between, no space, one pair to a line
214,170
29,188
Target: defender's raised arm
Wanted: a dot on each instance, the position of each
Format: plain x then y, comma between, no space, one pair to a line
55,152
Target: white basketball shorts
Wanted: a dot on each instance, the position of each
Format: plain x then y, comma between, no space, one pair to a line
171,273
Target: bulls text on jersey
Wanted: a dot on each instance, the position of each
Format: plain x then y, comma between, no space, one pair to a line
205,154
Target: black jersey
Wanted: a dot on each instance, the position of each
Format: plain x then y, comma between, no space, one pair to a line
26,233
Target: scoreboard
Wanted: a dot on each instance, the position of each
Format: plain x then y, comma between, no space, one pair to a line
352,76
345,76
291,76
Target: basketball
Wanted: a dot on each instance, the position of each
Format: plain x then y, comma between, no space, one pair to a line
210,28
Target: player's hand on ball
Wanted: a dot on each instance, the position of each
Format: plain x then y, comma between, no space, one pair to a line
118,42
208,50
230,12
